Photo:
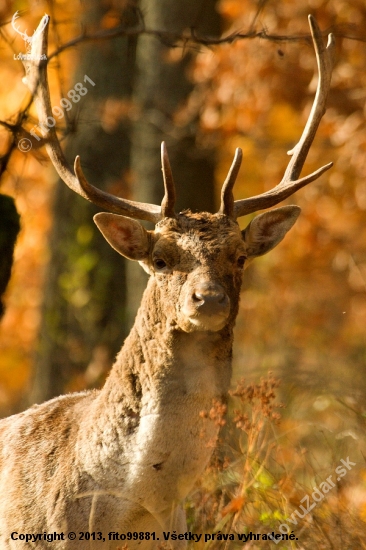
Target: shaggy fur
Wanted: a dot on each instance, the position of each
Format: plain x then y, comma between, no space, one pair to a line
123,458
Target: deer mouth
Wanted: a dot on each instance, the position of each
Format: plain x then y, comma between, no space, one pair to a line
207,308
208,322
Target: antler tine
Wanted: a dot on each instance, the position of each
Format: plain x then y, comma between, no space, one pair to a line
168,202
227,197
289,183
37,83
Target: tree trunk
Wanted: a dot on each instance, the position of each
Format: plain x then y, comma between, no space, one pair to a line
161,88
83,321
84,310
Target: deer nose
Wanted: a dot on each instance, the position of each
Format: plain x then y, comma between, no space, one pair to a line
210,298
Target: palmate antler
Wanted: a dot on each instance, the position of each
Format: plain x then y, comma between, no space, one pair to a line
37,82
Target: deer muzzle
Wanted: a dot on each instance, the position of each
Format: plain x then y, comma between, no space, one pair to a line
207,307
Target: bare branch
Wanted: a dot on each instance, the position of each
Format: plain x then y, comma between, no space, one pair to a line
191,38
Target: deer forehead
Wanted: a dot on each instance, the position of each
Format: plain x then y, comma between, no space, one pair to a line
201,236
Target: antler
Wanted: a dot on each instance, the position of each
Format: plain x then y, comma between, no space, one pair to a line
227,206
289,183
37,82
167,204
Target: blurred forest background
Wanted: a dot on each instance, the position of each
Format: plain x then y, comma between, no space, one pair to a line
206,76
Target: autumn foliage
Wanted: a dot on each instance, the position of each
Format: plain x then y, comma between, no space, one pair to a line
303,309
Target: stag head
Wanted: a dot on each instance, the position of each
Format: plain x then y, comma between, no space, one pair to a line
196,259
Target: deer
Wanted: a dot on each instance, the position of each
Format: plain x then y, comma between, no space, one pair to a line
121,460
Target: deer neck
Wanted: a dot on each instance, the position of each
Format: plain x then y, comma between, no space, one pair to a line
154,413
158,359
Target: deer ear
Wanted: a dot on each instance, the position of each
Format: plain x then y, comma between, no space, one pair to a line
125,235
268,229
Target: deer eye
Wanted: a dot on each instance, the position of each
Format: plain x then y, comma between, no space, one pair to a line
241,261
159,264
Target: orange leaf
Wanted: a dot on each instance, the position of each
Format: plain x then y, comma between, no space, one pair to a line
235,505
